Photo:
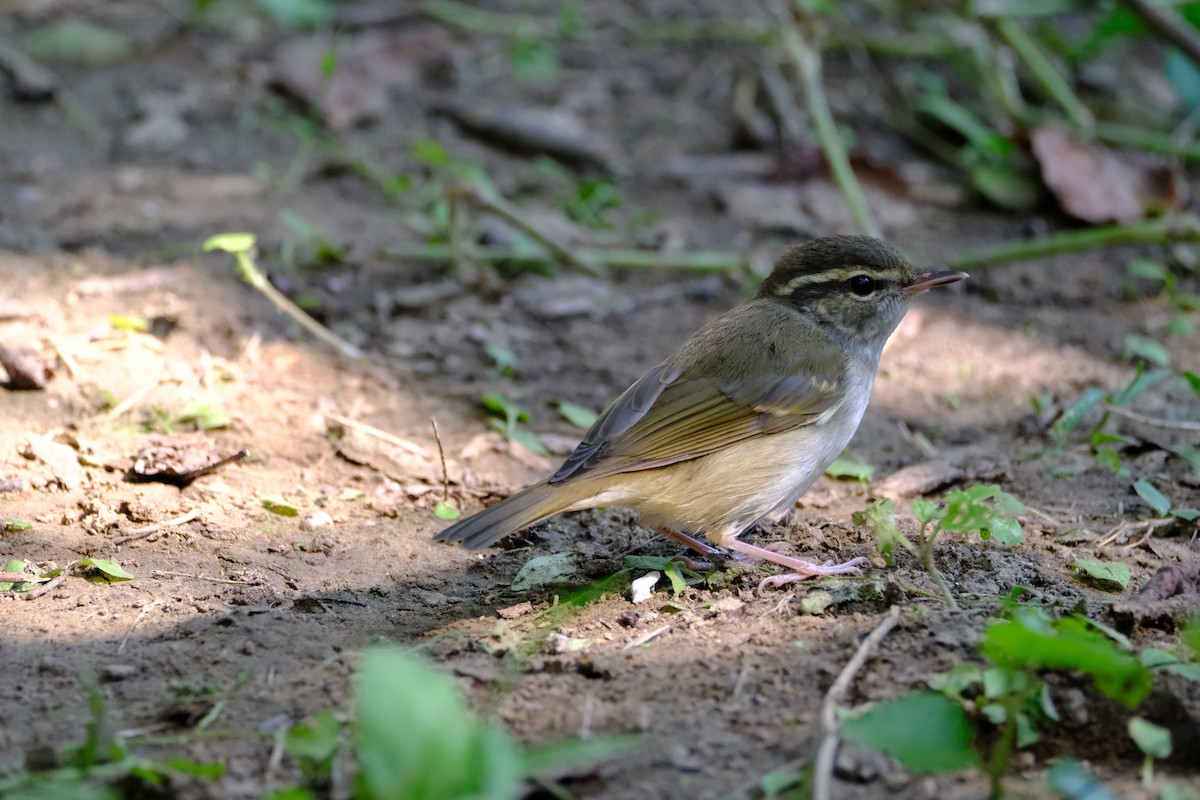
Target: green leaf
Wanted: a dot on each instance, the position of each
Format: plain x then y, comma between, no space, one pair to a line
548,570
850,465
957,680
129,322
1075,413
1142,381
1006,186
104,569
1184,76
1073,781
555,755
14,525
529,440
445,510
504,360
1111,576
204,770
277,505
1148,349
233,243
983,508
316,738
1189,634
1151,739
880,516
927,512
414,737
1157,501
204,416
305,14
577,415
926,732
679,575
1030,639
1192,380
431,153
533,60
79,42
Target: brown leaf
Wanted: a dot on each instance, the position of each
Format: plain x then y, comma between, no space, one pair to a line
1097,184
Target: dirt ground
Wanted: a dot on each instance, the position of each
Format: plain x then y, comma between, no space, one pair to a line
106,193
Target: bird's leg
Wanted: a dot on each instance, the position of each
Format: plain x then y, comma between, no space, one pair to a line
802,569
695,544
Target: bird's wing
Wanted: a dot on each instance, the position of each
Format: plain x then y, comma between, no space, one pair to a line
669,415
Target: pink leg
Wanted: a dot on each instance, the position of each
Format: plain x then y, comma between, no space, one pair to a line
690,541
803,569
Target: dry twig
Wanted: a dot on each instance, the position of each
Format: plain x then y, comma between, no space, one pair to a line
827,751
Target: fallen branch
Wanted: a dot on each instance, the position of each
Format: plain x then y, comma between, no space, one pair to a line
617,259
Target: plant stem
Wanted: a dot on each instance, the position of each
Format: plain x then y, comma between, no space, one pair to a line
807,61
250,273
1170,24
618,259
513,215
926,553
1047,77
1164,230
1002,753
1147,139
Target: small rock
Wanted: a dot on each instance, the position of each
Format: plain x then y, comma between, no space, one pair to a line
513,612
726,605
641,589
315,520
111,673
815,602
431,598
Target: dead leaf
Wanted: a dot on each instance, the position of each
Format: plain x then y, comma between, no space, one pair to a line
1097,184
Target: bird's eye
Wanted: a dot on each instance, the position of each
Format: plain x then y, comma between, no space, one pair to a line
861,285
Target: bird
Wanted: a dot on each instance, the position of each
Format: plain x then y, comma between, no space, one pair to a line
731,430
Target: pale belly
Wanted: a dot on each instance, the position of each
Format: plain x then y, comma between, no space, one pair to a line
722,494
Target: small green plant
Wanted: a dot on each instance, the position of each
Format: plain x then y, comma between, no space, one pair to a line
1161,505
1154,741
96,570
412,736
508,418
198,416
986,510
504,360
984,714
103,767
577,415
850,465
1105,444
590,202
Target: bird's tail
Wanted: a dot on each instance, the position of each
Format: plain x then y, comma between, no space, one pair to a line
509,516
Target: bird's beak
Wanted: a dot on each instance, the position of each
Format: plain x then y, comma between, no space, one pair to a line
924,281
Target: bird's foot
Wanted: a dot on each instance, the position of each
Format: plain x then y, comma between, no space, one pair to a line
801,569
828,568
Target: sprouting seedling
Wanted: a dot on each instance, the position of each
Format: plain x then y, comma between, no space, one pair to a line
508,417
242,247
1161,505
985,509
1154,741
504,360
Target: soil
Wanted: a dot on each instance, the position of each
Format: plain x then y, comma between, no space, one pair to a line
107,189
